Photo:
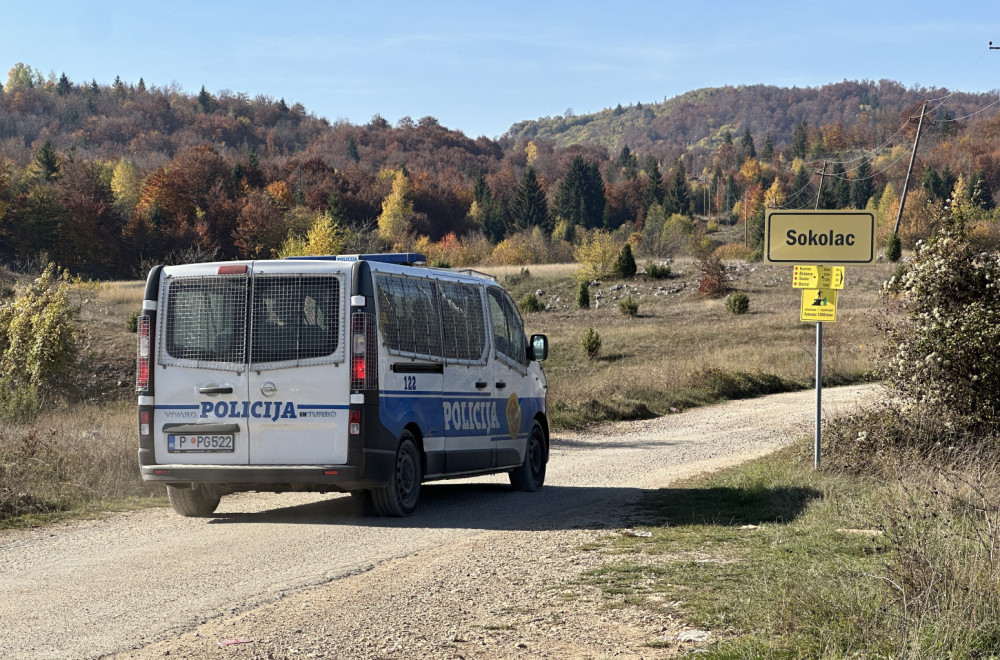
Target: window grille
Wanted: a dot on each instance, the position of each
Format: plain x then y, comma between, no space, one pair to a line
463,322
205,321
295,318
409,316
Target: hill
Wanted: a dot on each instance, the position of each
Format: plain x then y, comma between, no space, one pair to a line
699,119
106,178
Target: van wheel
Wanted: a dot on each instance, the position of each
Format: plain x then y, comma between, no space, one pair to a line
197,501
400,496
531,475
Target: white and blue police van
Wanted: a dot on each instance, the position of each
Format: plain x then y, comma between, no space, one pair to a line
355,373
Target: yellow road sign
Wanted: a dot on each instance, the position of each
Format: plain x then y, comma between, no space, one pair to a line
819,305
818,277
820,237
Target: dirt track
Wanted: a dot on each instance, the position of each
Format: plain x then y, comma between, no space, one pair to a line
479,572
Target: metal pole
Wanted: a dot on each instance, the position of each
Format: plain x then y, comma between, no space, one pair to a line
819,394
819,191
906,181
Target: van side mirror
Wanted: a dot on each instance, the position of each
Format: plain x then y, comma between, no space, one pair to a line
539,347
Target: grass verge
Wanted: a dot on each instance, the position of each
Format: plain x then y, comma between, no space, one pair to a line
779,561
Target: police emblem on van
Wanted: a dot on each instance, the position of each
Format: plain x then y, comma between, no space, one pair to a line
514,415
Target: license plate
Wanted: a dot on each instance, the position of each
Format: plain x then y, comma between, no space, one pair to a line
196,442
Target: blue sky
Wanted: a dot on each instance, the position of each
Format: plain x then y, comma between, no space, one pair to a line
480,67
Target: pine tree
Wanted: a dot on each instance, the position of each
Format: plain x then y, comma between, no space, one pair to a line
627,163
625,264
580,195
530,208
802,193
747,145
47,162
980,193
767,154
352,149
800,140
678,196
141,87
861,184
486,211
64,86
841,187
205,101
654,192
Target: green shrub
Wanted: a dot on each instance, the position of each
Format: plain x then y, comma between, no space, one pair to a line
132,322
942,329
625,264
38,343
657,272
629,306
583,296
591,343
530,303
893,248
440,263
738,302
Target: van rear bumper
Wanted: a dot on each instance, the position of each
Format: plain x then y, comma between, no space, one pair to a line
377,472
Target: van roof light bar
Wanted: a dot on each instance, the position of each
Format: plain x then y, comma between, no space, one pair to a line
399,258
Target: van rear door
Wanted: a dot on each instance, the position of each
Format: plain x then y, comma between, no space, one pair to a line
200,371
299,383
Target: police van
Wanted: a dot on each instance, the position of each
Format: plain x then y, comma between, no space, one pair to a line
363,374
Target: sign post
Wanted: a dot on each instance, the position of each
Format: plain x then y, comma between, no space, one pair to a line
811,239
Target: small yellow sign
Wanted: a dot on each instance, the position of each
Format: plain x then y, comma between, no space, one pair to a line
818,277
818,305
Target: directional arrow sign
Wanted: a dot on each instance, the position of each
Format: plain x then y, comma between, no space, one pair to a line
818,277
818,305
820,237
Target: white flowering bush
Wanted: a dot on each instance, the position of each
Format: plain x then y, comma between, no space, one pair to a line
942,349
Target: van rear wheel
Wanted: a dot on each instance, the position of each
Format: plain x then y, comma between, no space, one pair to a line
530,476
198,501
400,496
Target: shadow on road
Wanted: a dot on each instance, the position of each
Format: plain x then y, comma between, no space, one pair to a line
496,507
462,506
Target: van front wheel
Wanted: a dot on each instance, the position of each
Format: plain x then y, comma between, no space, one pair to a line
400,496
530,476
198,501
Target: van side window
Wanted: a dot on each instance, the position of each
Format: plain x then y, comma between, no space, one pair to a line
205,319
463,322
409,315
508,330
294,318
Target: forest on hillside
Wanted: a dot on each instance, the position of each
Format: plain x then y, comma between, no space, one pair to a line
106,179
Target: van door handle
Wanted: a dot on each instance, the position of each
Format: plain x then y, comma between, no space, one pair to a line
216,389
480,384
268,388
501,385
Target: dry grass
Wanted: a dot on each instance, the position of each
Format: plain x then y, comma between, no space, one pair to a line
656,361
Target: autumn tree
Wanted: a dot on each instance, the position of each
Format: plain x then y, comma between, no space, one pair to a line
397,209
259,231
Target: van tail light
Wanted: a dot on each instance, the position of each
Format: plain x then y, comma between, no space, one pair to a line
142,373
144,421
354,422
364,370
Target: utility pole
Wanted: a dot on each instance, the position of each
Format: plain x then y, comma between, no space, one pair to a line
913,155
819,191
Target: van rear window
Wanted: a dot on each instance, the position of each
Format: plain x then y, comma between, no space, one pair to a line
291,318
206,319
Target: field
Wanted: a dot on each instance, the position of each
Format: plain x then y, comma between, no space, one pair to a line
680,350
684,349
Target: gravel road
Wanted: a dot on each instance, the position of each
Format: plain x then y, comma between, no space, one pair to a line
479,572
